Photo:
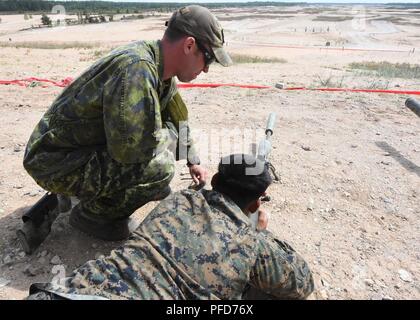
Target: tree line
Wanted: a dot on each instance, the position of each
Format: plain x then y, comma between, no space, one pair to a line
21,6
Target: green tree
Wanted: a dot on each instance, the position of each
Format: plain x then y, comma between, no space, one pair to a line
46,21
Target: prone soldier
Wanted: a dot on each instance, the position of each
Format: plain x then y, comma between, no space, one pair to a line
196,245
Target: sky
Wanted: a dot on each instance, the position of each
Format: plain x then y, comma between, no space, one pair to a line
308,1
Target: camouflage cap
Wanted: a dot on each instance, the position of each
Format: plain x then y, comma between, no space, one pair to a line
200,23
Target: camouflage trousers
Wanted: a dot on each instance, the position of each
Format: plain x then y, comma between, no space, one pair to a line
109,189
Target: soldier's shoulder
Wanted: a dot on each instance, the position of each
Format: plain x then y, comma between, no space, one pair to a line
181,201
137,51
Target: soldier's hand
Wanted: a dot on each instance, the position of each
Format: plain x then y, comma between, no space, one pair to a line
262,220
198,174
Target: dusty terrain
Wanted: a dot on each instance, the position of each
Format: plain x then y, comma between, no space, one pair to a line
348,199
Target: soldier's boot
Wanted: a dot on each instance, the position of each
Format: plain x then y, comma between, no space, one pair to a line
64,203
105,229
39,296
108,229
38,221
31,234
163,194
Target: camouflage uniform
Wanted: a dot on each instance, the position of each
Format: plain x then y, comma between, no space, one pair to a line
102,138
193,245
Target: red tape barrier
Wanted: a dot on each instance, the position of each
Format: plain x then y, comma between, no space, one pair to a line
65,82
24,82
215,85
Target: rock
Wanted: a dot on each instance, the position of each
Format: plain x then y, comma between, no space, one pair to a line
94,245
386,200
369,282
325,283
99,255
31,270
31,194
306,148
22,254
310,205
4,282
42,260
17,148
7,260
354,145
44,253
405,275
323,294
279,85
55,260
318,244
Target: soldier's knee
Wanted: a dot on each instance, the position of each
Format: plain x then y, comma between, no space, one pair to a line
162,167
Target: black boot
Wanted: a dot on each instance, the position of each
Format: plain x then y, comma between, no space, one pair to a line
105,229
37,221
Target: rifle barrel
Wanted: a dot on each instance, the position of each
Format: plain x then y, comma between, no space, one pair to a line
271,122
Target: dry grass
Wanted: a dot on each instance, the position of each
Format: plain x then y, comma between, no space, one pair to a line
243,58
332,18
387,69
50,45
254,16
398,20
329,81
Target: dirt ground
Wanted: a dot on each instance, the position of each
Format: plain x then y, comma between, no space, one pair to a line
349,163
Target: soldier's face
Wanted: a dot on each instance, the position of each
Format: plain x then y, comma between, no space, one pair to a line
194,65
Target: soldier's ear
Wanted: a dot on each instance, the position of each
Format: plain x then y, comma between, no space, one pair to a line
254,205
189,45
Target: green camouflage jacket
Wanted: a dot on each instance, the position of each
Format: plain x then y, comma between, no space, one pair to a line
117,103
193,245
